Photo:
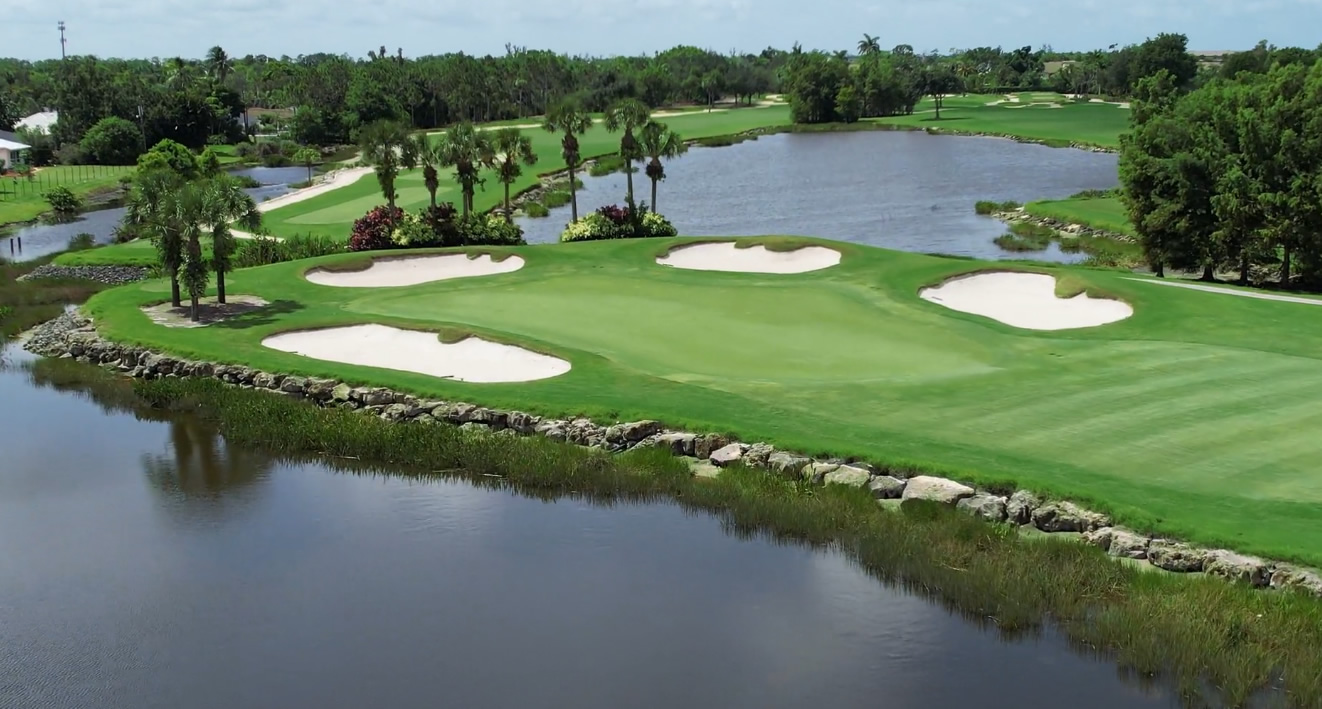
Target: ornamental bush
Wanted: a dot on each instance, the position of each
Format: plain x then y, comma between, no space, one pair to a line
373,231
615,222
489,230
63,200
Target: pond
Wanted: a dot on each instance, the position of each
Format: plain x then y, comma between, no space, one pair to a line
42,239
899,190
148,563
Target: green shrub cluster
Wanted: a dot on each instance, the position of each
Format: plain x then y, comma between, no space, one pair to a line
606,165
985,207
536,210
63,200
613,222
265,250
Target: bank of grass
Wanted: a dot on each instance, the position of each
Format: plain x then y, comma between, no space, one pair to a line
1026,237
1106,213
23,199
1190,632
1195,418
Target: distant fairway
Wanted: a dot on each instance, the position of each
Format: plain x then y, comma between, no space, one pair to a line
1092,123
1196,417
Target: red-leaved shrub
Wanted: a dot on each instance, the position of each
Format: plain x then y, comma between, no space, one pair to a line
371,232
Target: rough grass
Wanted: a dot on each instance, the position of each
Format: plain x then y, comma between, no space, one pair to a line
536,210
1196,417
1192,632
985,207
1024,236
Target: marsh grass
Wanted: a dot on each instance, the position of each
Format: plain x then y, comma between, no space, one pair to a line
555,198
605,165
1024,236
536,210
1193,633
985,207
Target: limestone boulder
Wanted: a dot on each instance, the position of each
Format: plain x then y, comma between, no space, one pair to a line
758,455
1068,517
946,492
676,442
1238,567
1019,509
704,446
1288,577
787,464
848,475
988,507
1176,556
375,396
728,455
885,487
815,472
293,385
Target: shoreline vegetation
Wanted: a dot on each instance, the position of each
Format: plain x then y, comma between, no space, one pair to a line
1194,633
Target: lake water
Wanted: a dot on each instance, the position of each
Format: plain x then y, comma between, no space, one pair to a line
36,240
146,563
900,190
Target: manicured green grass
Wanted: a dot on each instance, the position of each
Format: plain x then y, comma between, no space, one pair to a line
1197,417
139,252
1090,123
23,199
1105,213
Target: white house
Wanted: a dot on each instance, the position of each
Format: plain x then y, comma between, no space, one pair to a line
11,150
43,121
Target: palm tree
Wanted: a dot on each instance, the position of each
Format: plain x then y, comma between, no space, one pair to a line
224,201
569,118
186,207
219,64
658,142
429,157
307,157
468,150
388,147
627,116
513,150
868,45
148,214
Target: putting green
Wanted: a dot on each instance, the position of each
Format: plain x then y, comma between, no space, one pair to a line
1196,417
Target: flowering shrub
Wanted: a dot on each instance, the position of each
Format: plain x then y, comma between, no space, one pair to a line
373,230
613,222
412,231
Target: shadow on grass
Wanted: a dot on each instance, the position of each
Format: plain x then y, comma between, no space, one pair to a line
944,119
266,315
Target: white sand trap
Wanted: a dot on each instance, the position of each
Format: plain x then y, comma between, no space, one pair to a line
1026,300
469,360
725,256
391,272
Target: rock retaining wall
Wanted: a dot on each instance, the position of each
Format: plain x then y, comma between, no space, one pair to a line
112,275
1065,228
73,336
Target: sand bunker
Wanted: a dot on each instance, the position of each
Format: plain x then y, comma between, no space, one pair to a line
391,272
725,256
1026,300
469,360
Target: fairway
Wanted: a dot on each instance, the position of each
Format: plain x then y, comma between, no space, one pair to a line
1105,213
1097,124
1195,417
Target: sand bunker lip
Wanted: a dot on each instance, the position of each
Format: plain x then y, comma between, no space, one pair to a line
412,270
726,256
469,360
1025,300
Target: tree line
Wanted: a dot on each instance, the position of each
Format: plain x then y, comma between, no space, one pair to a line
1227,177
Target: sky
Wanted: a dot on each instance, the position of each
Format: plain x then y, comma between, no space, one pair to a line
167,28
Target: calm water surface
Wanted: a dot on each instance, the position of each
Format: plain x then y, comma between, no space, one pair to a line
149,564
37,240
900,190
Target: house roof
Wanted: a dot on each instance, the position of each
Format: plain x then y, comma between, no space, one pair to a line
9,141
42,121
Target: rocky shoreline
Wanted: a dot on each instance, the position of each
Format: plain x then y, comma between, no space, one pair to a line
110,275
1015,216
73,336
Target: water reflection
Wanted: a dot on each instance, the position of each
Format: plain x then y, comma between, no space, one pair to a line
202,466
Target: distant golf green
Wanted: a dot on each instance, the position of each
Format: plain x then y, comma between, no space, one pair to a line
1196,417
1053,119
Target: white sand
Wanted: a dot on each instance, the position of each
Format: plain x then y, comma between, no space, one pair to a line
391,272
469,360
725,256
1026,300
331,181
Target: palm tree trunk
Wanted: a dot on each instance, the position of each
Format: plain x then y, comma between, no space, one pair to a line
573,196
653,194
509,217
192,310
628,175
309,174
463,198
1208,274
220,286
174,288
1285,268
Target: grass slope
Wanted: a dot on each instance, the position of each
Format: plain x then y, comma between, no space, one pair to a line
1105,213
1197,417
22,200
